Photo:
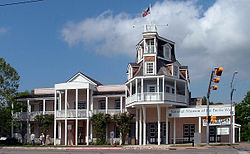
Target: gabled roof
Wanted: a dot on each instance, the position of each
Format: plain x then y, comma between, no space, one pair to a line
134,64
80,74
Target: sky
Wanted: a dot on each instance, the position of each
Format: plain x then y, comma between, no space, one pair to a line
49,41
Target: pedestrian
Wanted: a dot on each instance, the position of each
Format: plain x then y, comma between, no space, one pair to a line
41,138
32,137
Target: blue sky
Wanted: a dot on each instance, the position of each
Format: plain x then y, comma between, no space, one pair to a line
49,41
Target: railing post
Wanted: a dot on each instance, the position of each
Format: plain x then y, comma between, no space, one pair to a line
163,88
142,95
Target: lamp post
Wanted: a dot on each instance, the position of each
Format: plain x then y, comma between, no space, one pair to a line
231,100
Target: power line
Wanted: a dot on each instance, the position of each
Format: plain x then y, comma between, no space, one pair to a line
21,2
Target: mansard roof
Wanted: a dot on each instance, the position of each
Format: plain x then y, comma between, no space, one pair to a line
85,77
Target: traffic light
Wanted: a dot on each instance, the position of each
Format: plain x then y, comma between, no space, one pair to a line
213,119
214,87
208,119
218,71
216,80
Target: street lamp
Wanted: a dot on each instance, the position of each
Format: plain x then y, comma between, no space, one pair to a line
231,99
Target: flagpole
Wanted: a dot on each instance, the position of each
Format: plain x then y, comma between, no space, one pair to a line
150,14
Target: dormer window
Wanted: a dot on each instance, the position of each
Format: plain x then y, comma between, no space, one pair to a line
167,51
175,70
149,67
139,53
150,48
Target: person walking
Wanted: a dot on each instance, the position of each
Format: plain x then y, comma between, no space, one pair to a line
32,137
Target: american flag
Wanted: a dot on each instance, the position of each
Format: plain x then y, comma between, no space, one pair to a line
146,12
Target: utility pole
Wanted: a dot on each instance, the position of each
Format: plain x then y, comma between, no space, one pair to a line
217,72
231,112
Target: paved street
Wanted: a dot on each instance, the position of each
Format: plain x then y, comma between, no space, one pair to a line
211,150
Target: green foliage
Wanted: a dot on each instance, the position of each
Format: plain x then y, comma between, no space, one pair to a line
100,123
123,123
5,120
9,83
44,122
243,117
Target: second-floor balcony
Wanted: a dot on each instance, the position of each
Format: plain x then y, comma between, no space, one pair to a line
82,113
30,116
148,97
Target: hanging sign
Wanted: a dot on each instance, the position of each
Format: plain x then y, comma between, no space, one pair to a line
218,122
200,112
223,131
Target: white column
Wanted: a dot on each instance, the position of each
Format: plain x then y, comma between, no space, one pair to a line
136,89
87,132
140,139
239,134
233,129
66,132
88,116
163,88
121,104
136,126
142,96
106,105
174,131
55,101
91,130
159,124
60,130
91,101
28,123
167,125
12,125
76,103
130,88
60,101
44,106
186,93
87,102
76,134
66,122
158,88
199,124
175,89
66,102
144,125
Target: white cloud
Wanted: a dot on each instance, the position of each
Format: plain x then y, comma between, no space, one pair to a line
219,36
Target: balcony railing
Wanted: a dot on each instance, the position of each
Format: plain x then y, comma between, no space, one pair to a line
155,96
109,111
71,113
23,116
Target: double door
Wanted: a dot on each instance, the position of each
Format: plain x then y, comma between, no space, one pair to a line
152,133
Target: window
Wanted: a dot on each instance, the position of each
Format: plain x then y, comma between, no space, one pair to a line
40,106
151,88
173,91
102,104
81,105
188,132
150,46
139,53
149,67
167,51
175,70
167,89
117,104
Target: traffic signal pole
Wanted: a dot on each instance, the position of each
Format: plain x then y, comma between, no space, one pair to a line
208,95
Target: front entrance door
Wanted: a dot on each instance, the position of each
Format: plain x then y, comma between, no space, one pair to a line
188,132
152,133
213,137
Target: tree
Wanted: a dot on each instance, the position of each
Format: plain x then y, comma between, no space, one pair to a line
100,124
9,83
44,122
242,114
123,123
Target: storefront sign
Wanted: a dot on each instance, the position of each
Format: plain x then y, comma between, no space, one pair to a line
223,131
200,112
218,122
